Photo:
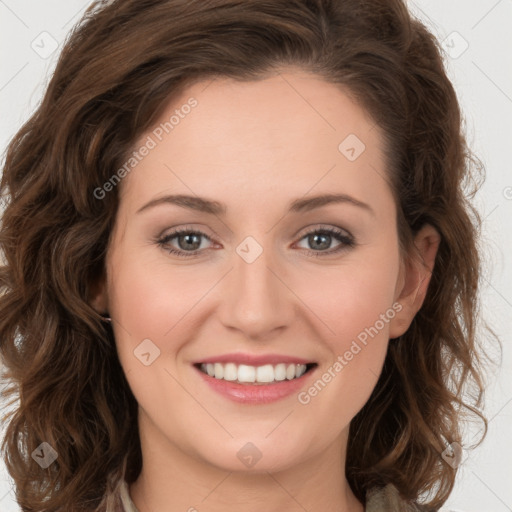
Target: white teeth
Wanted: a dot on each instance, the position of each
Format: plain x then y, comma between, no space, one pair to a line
257,374
218,371
301,370
265,373
280,372
246,373
230,372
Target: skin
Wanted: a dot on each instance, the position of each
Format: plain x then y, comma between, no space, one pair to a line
255,147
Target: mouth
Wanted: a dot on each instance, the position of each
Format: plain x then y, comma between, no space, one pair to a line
262,375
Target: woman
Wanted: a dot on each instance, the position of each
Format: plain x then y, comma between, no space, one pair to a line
253,368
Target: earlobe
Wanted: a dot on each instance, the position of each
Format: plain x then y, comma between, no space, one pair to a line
415,278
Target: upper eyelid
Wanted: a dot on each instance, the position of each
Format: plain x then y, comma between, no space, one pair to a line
177,231
305,232
307,229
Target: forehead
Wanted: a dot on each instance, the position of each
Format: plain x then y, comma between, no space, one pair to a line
280,136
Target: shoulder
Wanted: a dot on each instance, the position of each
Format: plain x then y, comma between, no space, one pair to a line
387,499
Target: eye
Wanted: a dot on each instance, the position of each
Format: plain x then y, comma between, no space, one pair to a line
322,238
189,241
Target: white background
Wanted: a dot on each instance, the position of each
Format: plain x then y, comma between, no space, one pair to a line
482,74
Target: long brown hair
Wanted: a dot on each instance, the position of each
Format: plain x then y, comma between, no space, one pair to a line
119,67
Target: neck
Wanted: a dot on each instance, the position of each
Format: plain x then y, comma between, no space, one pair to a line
172,480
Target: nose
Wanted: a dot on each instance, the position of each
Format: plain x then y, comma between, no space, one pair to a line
255,298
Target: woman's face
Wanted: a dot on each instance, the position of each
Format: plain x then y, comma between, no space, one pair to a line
266,278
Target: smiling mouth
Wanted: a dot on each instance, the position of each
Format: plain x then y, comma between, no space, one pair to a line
255,375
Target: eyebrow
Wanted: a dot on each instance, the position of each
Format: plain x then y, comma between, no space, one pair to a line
201,204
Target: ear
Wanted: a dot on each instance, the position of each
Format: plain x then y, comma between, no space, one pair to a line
414,279
98,297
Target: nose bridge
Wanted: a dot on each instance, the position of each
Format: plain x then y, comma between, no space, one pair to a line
257,300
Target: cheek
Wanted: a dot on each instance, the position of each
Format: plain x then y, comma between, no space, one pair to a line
356,298
152,304
153,299
357,311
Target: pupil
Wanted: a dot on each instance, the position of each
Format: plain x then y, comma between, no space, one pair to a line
187,237
315,237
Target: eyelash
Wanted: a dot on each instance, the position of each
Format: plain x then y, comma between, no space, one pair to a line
347,242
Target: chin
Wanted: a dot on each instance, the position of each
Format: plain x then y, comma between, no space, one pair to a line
253,455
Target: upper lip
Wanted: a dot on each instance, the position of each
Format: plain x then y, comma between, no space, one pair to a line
255,360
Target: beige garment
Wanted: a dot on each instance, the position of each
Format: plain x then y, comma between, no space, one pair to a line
127,502
379,500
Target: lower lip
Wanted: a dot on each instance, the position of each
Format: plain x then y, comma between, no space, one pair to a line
256,393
